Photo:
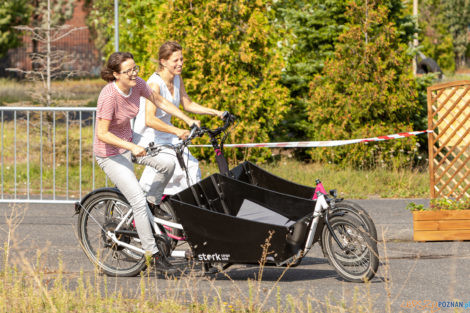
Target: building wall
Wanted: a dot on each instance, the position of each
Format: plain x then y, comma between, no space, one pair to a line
86,58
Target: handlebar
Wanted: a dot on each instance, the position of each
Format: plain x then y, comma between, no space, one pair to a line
228,119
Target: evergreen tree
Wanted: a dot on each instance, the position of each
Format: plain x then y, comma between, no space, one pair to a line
435,39
136,20
315,27
366,89
231,62
457,15
12,13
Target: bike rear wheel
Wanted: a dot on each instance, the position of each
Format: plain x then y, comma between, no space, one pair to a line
358,261
100,214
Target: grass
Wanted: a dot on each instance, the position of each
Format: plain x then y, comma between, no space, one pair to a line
27,285
11,91
350,183
80,92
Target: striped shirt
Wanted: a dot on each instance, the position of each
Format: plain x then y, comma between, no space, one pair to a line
119,108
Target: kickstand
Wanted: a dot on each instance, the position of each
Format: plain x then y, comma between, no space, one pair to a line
209,269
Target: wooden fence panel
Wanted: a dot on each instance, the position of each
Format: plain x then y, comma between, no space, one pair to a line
449,144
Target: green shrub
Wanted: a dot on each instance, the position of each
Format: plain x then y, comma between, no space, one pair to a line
367,89
231,63
441,204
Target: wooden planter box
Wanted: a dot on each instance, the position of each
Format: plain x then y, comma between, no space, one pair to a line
441,225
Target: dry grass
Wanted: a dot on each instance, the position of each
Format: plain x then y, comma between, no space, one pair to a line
350,183
27,285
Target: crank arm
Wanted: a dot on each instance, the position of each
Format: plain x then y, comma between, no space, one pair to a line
123,244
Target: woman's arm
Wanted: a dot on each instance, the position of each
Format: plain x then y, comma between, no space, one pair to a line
154,122
167,106
193,107
103,133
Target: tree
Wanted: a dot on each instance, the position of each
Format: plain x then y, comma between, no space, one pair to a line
136,20
315,27
49,63
231,62
457,15
366,89
62,11
435,38
12,13
100,23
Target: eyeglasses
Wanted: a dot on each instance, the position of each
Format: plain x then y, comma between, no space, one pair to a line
131,71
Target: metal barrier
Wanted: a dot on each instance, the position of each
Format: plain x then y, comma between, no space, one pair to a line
47,154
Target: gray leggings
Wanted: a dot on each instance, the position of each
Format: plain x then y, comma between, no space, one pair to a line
120,170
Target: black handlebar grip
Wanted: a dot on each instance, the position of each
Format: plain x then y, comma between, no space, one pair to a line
193,129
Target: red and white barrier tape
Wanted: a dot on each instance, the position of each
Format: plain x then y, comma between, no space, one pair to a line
328,143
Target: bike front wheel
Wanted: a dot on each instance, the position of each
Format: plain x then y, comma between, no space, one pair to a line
99,215
355,210
358,259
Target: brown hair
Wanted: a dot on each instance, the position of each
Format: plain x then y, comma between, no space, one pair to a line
114,65
166,50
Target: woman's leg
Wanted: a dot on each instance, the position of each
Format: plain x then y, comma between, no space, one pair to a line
178,181
156,175
120,171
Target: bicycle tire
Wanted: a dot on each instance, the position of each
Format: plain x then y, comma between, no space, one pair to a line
360,213
359,261
98,214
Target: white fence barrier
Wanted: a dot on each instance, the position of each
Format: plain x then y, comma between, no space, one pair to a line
47,154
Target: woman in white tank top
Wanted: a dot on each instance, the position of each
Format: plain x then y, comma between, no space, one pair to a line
168,82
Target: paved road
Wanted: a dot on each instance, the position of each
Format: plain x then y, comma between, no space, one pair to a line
409,270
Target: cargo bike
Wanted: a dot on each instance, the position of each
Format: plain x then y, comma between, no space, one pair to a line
229,217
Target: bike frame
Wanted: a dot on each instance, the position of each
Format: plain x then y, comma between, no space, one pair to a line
321,205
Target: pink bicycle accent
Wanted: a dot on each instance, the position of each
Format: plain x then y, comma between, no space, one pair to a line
318,188
173,236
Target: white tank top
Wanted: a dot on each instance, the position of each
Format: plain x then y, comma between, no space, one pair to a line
143,135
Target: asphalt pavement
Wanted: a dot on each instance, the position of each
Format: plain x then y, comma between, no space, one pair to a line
409,271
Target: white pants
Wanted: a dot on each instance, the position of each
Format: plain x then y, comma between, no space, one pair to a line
178,181
120,171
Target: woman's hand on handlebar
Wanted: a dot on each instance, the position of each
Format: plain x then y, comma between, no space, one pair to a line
192,122
138,151
228,117
182,133
220,114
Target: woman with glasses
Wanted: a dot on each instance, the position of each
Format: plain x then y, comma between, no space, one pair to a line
118,103
168,83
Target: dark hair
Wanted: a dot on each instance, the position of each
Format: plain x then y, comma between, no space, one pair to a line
114,65
166,50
